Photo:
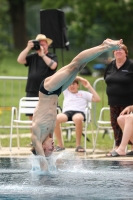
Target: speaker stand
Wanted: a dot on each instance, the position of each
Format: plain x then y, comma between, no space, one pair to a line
62,55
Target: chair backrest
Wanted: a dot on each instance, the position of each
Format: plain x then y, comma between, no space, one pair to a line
104,114
27,105
104,118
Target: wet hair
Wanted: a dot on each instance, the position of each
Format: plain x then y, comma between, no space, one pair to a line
33,151
124,47
76,81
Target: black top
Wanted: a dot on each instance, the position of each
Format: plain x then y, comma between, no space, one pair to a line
44,91
38,71
119,83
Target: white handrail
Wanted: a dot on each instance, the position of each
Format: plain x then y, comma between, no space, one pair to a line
13,77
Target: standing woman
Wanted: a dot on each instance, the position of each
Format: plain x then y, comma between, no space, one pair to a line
119,80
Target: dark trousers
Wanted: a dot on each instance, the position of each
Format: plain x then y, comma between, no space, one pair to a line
114,113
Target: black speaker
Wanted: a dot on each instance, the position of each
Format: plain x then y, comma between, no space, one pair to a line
53,25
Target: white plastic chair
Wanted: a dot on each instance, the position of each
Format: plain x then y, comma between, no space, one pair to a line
26,105
70,125
103,124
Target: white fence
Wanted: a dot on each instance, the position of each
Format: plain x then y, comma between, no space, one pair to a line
12,88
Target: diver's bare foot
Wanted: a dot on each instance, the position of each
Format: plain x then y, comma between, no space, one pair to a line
113,44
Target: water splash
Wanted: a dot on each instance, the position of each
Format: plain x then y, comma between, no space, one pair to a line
35,161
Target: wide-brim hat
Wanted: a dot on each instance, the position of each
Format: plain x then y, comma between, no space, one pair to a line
43,37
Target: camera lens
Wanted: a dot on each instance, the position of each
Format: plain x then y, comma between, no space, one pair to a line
36,46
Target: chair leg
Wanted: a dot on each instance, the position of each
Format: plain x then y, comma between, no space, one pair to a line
107,131
95,139
0,142
126,148
10,147
92,135
85,134
110,135
69,134
18,143
85,140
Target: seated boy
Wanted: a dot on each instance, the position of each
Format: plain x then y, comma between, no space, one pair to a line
74,105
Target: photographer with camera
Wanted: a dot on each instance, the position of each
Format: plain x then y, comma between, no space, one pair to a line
41,63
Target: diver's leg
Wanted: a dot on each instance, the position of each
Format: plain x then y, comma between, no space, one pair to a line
64,74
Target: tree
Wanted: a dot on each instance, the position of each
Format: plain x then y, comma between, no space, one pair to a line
117,17
5,37
17,14
89,22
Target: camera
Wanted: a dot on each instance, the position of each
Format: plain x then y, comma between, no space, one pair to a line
36,45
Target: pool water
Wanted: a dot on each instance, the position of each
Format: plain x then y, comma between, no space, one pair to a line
74,179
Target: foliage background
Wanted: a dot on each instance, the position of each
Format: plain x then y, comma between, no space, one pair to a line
89,22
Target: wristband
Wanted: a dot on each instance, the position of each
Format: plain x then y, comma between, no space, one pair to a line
51,63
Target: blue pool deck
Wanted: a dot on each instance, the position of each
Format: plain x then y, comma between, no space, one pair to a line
98,155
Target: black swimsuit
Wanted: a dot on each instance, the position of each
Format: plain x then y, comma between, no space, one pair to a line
44,91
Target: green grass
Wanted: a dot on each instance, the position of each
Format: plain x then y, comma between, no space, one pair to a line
10,67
